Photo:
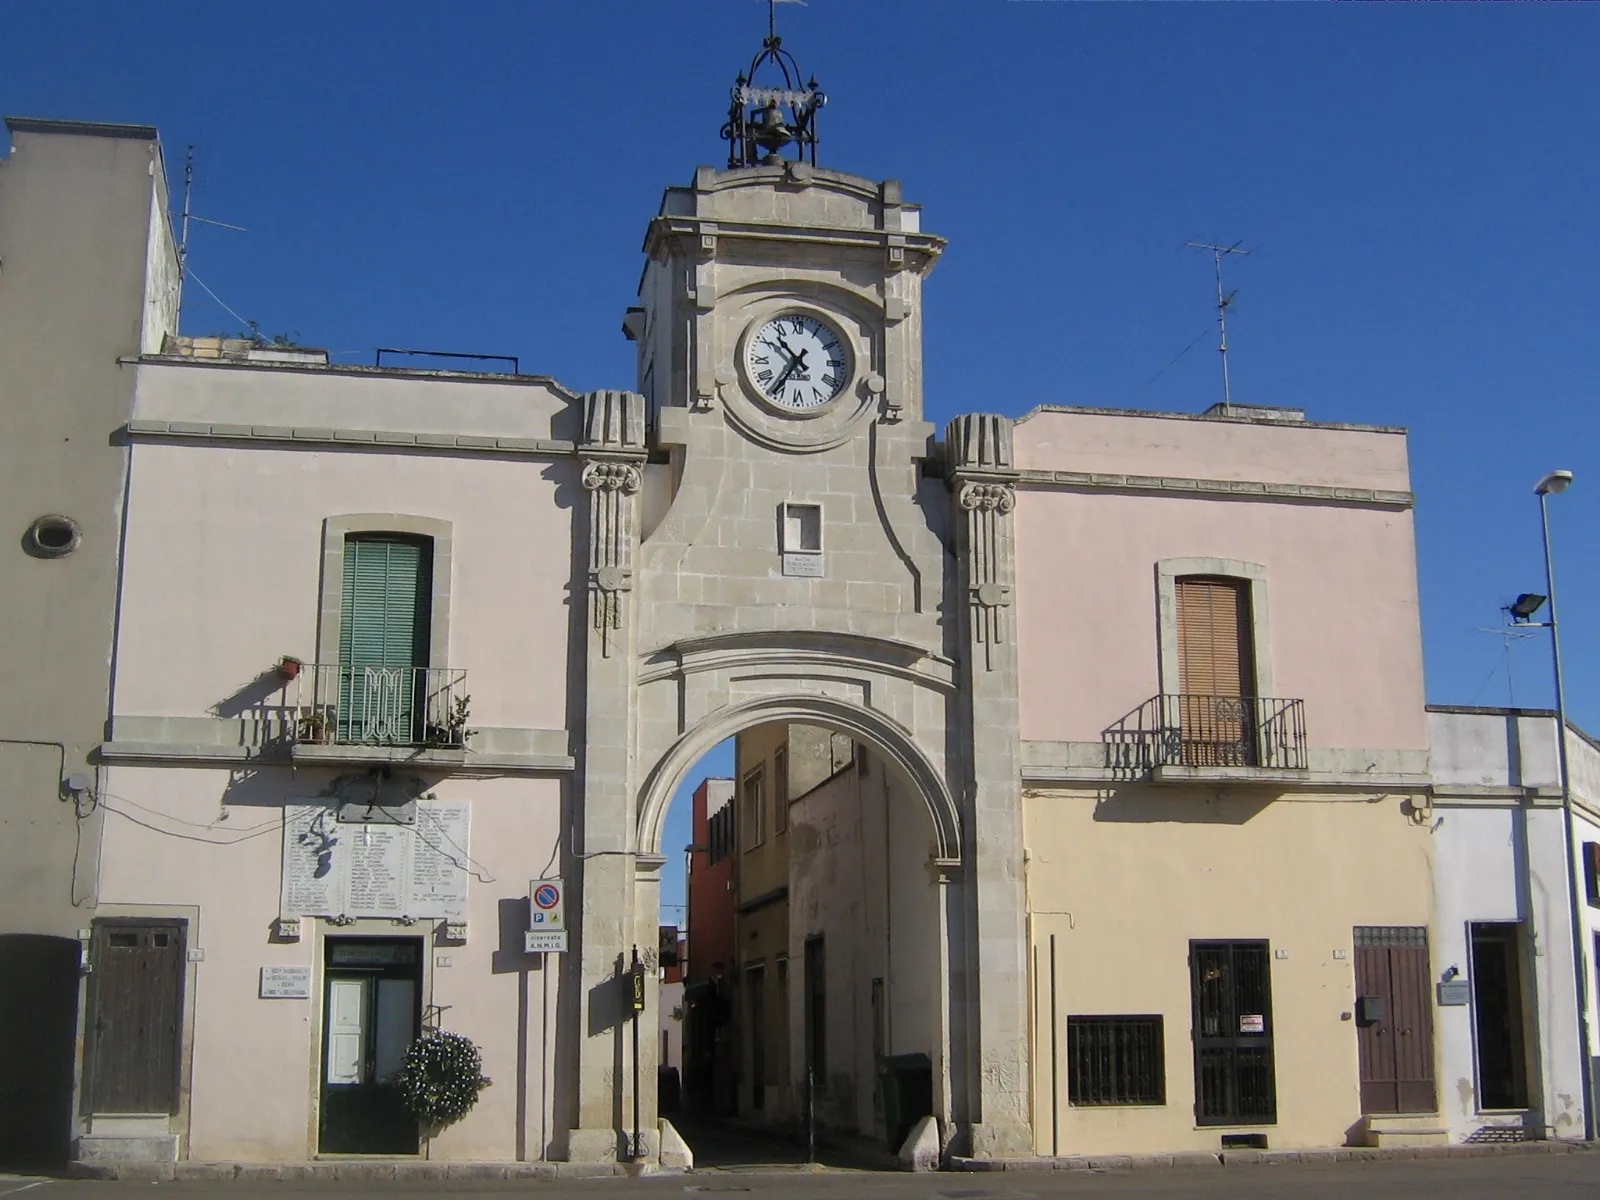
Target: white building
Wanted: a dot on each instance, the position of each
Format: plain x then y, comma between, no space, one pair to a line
1509,1058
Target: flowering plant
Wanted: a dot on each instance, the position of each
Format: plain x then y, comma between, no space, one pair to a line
440,1077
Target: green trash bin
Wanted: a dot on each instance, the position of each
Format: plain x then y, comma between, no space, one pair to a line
906,1081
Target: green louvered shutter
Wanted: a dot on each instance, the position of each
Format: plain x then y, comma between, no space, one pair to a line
383,638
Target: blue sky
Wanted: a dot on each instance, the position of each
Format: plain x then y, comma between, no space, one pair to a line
1418,184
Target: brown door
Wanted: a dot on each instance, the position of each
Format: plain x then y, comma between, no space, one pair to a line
1394,1019
1216,672
135,1017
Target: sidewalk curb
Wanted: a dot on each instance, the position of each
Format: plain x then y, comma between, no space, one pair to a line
343,1171
338,1172
1241,1158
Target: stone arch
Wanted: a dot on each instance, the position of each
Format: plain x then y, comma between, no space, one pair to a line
896,744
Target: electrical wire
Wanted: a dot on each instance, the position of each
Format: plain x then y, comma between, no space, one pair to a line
190,274
1201,336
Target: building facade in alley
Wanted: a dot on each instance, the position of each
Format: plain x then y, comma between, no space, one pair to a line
1083,798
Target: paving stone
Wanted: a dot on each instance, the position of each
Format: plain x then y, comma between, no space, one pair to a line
205,1172
475,1170
1110,1162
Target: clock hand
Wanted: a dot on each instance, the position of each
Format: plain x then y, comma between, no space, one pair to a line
783,377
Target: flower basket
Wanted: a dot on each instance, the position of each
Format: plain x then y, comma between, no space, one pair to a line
440,1078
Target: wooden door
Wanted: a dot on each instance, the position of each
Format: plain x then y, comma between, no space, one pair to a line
1394,1019
135,1017
1216,672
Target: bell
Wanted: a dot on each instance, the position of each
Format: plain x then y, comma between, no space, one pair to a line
772,134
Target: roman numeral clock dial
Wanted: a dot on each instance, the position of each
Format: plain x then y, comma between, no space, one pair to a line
798,362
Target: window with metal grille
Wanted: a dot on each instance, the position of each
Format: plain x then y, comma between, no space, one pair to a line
1115,1060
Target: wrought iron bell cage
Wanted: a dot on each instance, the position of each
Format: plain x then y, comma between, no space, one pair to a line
764,122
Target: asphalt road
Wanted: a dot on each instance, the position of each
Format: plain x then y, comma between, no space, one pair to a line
1510,1177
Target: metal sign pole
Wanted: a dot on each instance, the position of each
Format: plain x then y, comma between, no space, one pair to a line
637,983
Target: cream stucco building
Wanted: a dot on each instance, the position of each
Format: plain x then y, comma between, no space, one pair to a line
1132,848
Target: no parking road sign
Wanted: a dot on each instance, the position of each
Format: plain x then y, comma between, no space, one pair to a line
547,916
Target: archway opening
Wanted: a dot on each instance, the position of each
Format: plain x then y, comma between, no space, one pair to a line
807,1009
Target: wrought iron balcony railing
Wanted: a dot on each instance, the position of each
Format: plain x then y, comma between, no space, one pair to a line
1189,730
344,704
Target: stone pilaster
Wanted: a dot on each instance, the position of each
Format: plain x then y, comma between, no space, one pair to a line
983,489
613,453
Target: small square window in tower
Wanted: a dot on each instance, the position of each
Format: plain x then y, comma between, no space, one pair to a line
800,536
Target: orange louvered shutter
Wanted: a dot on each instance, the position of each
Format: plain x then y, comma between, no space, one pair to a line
1214,637
1215,672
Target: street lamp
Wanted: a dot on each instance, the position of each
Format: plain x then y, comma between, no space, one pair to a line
1554,484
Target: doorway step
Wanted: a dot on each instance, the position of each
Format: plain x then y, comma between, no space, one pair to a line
128,1139
1401,1129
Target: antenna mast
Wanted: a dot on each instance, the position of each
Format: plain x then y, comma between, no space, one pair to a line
188,187
1218,253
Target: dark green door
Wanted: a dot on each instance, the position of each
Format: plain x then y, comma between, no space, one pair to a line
371,1013
384,615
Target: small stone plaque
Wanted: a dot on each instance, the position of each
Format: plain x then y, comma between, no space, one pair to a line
285,983
807,565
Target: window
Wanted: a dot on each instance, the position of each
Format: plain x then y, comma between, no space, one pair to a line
383,633
1216,672
800,532
780,789
1115,1060
384,626
1231,986
755,809
1591,872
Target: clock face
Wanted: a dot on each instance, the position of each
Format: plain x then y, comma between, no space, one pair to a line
797,362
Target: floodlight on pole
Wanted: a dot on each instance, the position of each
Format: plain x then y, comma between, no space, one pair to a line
1525,605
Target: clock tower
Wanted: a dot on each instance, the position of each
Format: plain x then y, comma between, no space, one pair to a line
777,535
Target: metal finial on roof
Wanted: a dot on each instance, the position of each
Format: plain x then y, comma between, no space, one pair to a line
766,121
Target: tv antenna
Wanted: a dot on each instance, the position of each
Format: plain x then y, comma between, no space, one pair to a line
1218,253
1508,636
187,216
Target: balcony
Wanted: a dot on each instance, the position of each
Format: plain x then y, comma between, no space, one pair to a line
337,704
1187,735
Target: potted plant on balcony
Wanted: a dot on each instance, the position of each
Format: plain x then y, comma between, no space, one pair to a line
288,667
451,732
316,727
